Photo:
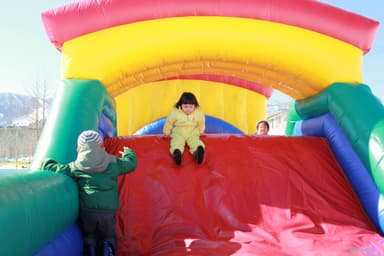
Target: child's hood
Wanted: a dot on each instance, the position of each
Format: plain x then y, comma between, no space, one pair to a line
92,158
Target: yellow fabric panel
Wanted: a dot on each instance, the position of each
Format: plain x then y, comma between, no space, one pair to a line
144,104
298,62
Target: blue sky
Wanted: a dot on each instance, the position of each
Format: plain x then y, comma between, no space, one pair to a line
28,58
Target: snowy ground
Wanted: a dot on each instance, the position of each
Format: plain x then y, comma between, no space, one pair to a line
13,165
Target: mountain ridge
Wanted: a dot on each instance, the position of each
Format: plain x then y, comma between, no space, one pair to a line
17,109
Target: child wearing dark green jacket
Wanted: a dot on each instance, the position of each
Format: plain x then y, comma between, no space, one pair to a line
95,172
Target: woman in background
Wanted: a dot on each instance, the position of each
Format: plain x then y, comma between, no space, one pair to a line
262,127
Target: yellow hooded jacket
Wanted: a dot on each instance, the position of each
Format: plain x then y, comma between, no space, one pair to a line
180,125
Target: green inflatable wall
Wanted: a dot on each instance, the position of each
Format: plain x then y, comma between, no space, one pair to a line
35,208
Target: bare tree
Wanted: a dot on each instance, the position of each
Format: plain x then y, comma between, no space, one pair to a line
18,140
40,95
17,143
6,141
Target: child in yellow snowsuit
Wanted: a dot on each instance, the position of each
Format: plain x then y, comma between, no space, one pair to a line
185,123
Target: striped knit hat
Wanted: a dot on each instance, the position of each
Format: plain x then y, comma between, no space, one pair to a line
89,136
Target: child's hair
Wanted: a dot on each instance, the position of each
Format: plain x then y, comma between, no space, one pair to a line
262,122
187,98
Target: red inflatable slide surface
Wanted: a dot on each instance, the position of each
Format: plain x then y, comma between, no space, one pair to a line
250,196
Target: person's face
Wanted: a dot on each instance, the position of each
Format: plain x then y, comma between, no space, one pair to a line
263,129
187,108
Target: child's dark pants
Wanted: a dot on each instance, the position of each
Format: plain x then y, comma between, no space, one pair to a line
98,227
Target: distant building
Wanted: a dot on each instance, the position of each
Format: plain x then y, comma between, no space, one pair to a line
277,115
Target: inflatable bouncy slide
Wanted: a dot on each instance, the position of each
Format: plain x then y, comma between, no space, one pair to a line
318,190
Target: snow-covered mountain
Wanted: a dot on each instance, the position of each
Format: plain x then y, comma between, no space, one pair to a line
16,109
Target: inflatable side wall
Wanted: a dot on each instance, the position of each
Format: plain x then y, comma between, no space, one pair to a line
350,117
79,105
39,206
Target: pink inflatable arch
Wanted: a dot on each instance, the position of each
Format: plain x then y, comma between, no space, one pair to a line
73,20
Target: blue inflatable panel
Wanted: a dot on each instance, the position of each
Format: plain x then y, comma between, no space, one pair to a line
69,242
212,125
106,128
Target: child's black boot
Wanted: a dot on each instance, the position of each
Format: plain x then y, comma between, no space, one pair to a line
90,250
199,154
177,156
107,249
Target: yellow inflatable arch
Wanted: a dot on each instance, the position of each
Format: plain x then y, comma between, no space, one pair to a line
298,62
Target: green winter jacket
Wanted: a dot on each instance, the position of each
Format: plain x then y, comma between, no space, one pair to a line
95,172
